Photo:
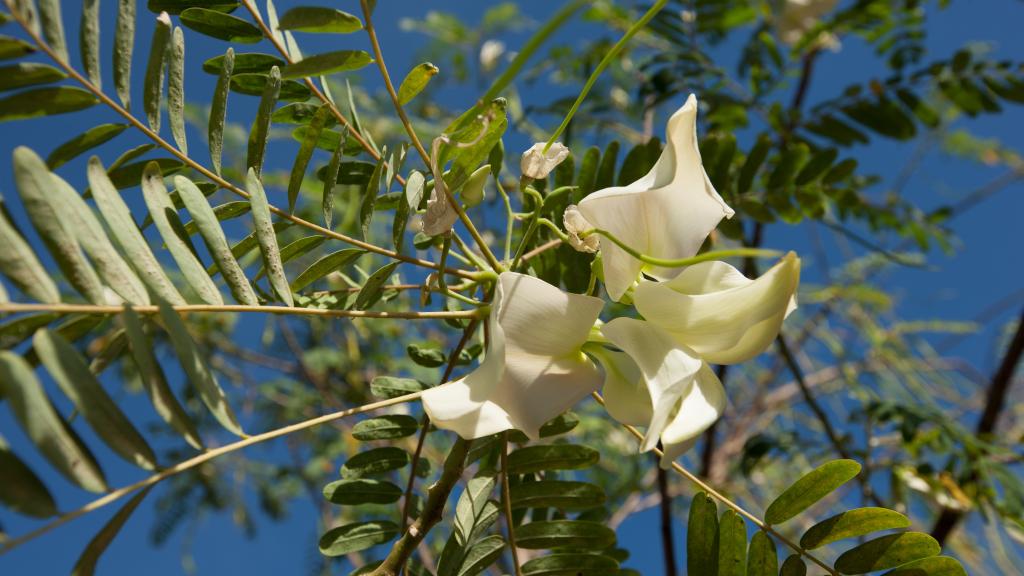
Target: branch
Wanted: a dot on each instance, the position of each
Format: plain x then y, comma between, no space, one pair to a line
201,459
668,542
379,56
206,308
995,401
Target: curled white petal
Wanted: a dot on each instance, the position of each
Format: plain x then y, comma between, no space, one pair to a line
537,164
575,225
440,216
665,214
625,393
534,369
668,369
717,312
698,410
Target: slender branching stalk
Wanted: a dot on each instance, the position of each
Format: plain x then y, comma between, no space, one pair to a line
208,308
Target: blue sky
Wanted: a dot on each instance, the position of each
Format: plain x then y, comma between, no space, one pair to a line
985,268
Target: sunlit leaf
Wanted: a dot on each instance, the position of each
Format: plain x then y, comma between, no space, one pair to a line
812,487
86,564
319,19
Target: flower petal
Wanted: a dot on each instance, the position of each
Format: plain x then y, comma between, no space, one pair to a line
668,369
625,392
534,369
666,214
718,313
698,410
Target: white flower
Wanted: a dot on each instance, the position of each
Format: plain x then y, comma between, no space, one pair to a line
666,214
709,313
719,313
534,369
576,224
490,52
439,216
801,16
537,164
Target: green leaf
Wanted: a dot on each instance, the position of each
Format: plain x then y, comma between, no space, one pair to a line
562,533
130,175
320,20
219,108
472,192
176,89
14,332
887,552
86,564
840,171
391,387
35,185
153,85
571,565
53,27
882,116
793,566
702,536
817,166
216,242
356,536
482,554
14,48
851,524
89,41
370,198
131,154
325,266
925,114
72,374
401,221
762,559
84,142
267,238
327,63
153,381
19,263
124,45
385,427
298,172
373,288
754,160
28,74
177,6
933,566
23,491
606,169
415,81
362,491
296,249
558,425
330,180
45,102
255,84
840,132
561,494
48,431
220,25
198,371
732,545
261,123
126,233
375,462
472,143
812,487
551,457
166,219
80,221
244,63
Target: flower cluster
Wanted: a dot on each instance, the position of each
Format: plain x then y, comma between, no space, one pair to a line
545,345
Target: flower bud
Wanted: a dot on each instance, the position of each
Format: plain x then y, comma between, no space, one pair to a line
576,224
537,164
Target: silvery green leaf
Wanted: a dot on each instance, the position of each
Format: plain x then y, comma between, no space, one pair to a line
84,142
25,74
126,233
153,85
176,89
86,564
57,442
19,263
220,25
89,41
261,124
219,108
71,372
53,27
298,172
124,44
216,242
23,491
166,219
267,238
45,102
319,19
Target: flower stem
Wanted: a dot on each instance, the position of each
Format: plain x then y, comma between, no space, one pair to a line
16,308
611,55
681,262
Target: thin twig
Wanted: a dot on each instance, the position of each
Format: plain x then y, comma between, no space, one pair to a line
201,459
506,502
379,56
668,542
207,308
726,501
